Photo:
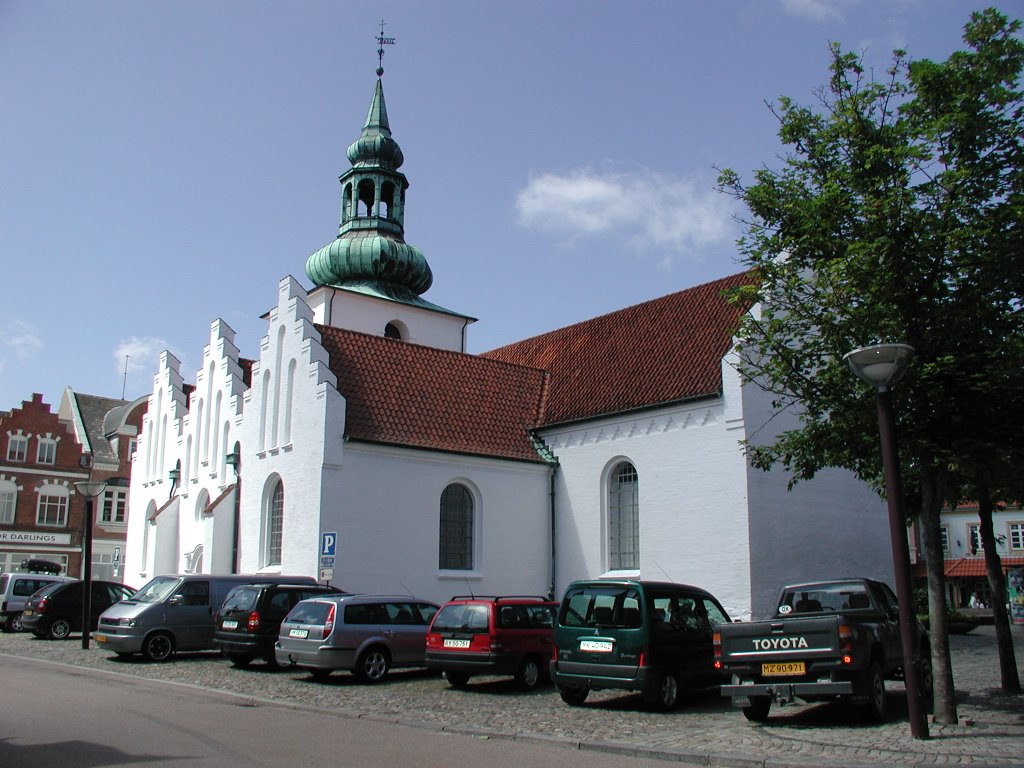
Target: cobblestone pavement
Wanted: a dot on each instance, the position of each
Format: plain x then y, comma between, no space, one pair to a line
706,730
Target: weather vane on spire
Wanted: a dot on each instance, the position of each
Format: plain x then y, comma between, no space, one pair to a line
381,42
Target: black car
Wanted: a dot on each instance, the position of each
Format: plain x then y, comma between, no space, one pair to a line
251,615
55,611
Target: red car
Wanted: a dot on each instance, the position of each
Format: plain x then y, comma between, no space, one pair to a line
475,635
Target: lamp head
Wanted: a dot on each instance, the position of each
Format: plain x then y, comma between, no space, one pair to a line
880,365
90,488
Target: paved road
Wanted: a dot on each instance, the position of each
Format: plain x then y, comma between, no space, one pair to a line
706,730
80,723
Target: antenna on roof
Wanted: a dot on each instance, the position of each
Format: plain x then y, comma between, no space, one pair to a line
381,42
124,382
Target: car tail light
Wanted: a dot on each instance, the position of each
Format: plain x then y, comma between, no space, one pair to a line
41,607
494,643
253,624
554,652
716,644
846,643
643,656
329,624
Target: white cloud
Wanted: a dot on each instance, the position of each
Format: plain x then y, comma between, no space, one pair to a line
815,10
645,209
21,338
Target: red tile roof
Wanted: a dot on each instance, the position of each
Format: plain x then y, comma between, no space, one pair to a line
400,393
662,351
968,567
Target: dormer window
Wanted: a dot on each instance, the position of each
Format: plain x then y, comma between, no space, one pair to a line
392,331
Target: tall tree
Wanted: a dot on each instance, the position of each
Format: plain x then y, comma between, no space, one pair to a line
895,217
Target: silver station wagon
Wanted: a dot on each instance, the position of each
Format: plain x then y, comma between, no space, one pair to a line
365,634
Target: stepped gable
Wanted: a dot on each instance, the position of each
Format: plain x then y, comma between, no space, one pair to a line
404,394
663,351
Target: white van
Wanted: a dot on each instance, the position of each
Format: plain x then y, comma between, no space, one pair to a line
15,590
173,613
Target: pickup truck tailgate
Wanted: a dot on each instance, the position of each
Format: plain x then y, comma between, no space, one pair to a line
811,638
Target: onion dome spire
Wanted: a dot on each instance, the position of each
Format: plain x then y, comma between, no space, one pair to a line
370,253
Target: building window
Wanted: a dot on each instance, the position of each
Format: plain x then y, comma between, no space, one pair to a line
1016,535
52,510
133,447
8,502
115,502
944,532
456,539
17,448
974,537
47,451
275,523
623,518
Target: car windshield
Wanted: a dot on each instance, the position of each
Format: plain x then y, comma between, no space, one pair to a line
241,599
461,618
601,607
157,590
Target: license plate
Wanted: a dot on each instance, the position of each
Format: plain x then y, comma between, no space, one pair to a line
298,633
596,646
449,643
27,612
100,638
784,668
229,624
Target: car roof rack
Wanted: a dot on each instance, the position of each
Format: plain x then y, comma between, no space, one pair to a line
497,598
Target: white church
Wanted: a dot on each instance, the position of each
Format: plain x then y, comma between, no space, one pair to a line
606,448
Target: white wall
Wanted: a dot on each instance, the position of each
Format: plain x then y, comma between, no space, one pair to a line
693,504
346,309
384,503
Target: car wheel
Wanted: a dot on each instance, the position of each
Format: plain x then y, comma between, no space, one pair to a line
457,679
60,628
757,710
158,647
666,696
14,623
6,626
573,695
874,689
239,660
528,676
372,665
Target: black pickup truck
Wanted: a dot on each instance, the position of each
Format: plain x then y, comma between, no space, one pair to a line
835,639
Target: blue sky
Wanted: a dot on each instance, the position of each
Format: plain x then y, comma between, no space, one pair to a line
164,164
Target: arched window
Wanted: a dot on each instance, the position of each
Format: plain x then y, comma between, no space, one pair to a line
623,518
456,540
275,522
392,331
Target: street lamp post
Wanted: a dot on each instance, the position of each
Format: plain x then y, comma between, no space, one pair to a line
881,366
90,489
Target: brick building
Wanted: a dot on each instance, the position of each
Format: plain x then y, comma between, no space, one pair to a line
42,455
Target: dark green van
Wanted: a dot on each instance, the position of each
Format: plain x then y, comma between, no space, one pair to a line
647,636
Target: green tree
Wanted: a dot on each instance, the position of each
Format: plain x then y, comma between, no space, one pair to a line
896,217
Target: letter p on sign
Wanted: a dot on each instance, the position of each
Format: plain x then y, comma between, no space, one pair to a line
328,544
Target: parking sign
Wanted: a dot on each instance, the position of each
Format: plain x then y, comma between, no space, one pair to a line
328,544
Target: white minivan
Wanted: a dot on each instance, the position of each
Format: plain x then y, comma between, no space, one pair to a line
173,613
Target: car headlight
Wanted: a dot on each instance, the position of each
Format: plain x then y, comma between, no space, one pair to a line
127,622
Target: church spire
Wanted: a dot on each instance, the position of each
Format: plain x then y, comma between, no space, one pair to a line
370,253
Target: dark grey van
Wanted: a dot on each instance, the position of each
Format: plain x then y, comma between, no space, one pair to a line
647,636
173,613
